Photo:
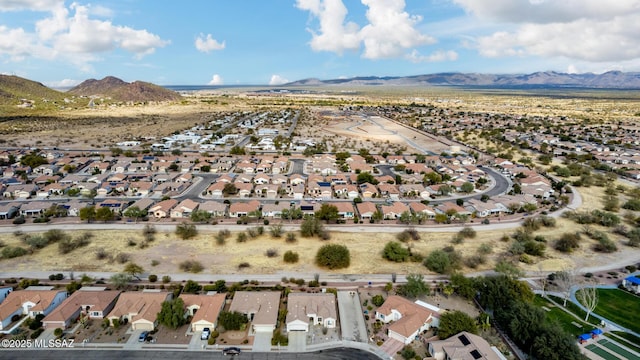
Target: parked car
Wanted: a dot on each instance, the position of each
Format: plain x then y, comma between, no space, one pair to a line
206,332
231,351
143,336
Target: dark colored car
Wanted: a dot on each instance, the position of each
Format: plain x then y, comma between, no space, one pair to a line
231,351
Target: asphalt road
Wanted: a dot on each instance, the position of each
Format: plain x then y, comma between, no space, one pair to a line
332,354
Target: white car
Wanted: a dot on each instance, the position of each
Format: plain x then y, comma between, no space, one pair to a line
205,334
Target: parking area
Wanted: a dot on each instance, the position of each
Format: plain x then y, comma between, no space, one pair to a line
297,341
351,318
262,341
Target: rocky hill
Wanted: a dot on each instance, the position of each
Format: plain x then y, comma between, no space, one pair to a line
18,91
551,79
116,89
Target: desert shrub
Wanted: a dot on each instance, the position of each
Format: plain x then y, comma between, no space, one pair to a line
394,251
443,261
485,249
271,252
324,235
19,220
10,252
311,226
244,265
54,235
276,230
291,237
534,248
58,332
333,256
122,258
35,241
153,278
191,266
457,239
241,237
291,257
516,248
634,237
474,261
254,232
186,231
67,245
467,232
567,242
166,279
632,204
101,254
222,236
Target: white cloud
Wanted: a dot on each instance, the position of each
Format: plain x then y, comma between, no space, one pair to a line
390,33
33,5
78,38
436,56
391,30
277,80
578,30
216,80
208,44
65,83
334,34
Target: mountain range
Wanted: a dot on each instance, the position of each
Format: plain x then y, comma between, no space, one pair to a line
551,79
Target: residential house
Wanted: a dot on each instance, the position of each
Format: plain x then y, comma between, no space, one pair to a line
163,208
215,190
94,303
270,191
244,189
389,191
463,346
407,319
449,207
143,204
261,308
32,301
203,309
73,207
366,209
414,190
483,209
20,191
8,211
239,209
272,210
34,208
139,308
394,211
345,209
215,208
420,208
304,310
368,190
184,209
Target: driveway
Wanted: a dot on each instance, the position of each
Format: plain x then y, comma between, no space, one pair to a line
297,341
351,318
262,341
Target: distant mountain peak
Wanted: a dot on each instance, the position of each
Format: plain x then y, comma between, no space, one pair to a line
120,90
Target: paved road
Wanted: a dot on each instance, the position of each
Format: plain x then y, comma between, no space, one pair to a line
330,354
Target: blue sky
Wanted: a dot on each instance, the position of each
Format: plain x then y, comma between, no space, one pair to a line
231,42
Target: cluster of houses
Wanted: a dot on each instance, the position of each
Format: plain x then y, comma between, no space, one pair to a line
406,320
244,181
616,145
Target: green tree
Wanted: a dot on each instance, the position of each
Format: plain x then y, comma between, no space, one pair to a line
394,251
467,187
377,300
135,212
191,287
333,256
88,213
453,322
104,214
311,227
237,150
438,261
33,160
327,212
201,216
172,313
366,177
229,189
120,280
415,286
232,320
133,269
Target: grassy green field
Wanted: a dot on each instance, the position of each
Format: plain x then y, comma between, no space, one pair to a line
620,307
564,319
